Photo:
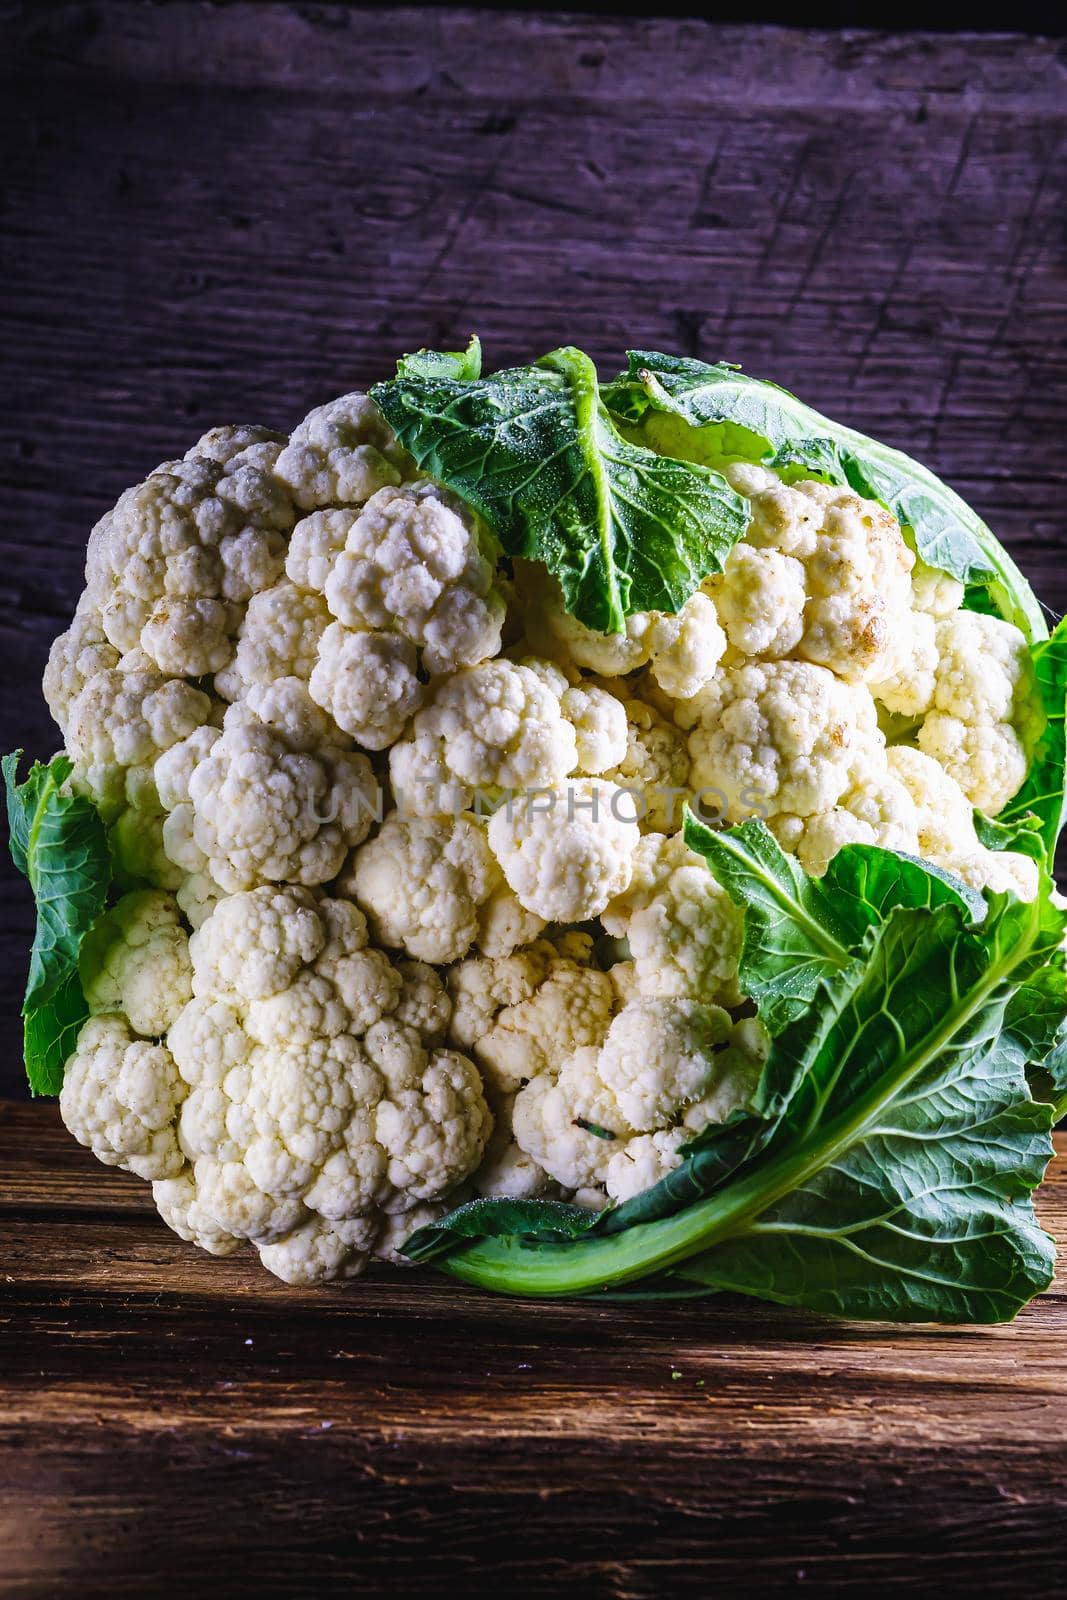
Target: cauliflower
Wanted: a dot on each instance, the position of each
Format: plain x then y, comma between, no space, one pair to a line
945,831
136,961
423,884
663,1063
601,727
279,638
495,726
119,1098
654,767
683,930
566,858
983,722
303,1097
172,567
258,807
523,1014
821,574
340,455
402,911
683,650
780,737
414,563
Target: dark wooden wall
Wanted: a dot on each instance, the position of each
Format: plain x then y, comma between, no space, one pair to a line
212,214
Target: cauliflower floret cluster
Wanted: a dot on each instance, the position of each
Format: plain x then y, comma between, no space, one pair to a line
302,1093
405,908
618,1115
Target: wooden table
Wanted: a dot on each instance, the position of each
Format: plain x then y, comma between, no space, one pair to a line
174,1424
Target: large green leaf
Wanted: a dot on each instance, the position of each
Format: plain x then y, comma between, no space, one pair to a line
716,415
59,842
535,452
900,1174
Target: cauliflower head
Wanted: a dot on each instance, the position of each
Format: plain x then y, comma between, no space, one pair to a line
403,911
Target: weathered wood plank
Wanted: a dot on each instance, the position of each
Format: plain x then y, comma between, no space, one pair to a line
401,1433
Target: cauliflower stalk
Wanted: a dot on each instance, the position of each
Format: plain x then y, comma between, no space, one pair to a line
377,889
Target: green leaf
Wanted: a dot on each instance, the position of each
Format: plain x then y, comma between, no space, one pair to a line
50,1034
459,364
864,883
793,938
1042,795
905,1147
710,1159
717,415
499,1218
536,454
1036,1019
800,931
1023,836
903,1166
59,843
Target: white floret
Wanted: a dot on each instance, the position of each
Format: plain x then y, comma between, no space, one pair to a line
423,884
279,638
877,811
909,689
945,827
984,717
566,855
368,683
173,565
643,1161
659,1056
683,930
525,1014
254,944
570,1124
781,736
506,1171
261,808
178,1202
684,649
319,1099
135,961
665,1063
416,563
76,656
315,544
119,1097
600,727
494,726
340,455
322,1252
820,574
935,592
654,768
121,722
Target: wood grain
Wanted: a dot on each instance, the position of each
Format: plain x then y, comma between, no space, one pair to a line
169,1421
221,213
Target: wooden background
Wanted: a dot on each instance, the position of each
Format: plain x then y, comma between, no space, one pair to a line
232,213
